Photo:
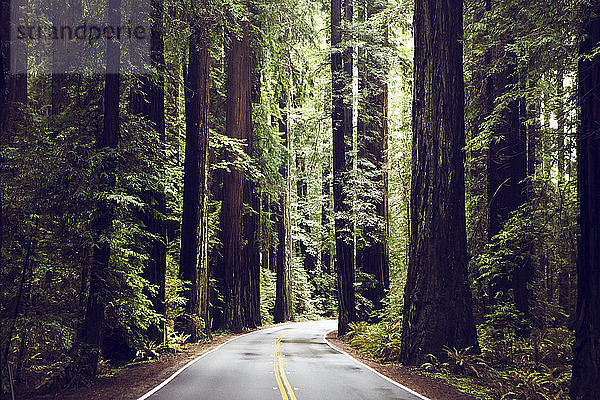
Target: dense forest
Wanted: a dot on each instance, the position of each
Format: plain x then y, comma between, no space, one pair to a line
426,171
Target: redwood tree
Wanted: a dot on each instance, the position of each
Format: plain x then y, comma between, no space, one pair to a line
437,299
586,350
237,126
193,262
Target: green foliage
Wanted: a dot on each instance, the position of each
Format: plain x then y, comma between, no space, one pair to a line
380,341
267,295
540,384
498,335
458,362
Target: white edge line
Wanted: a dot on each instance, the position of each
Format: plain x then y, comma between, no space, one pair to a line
169,379
371,369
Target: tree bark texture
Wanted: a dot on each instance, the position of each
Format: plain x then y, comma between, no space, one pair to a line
250,218
585,383
238,126
437,298
193,258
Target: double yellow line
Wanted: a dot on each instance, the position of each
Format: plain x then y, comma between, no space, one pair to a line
280,373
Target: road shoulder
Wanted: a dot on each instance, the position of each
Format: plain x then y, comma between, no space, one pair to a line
136,380
433,388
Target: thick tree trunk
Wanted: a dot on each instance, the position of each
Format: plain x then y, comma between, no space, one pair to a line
102,224
238,126
585,383
437,298
193,258
341,120
250,219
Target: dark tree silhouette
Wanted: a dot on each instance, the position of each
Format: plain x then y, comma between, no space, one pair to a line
586,350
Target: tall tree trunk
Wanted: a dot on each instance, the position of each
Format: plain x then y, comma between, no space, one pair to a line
283,296
437,298
372,256
238,126
102,224
250,218
193,258
585,383
341,121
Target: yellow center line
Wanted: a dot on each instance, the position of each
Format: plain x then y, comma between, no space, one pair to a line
279,362
276,356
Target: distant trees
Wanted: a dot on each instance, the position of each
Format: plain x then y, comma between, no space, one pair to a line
437,298
149,102
372,253
507,160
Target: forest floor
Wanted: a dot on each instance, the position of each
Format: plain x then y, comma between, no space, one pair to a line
133,381
431,387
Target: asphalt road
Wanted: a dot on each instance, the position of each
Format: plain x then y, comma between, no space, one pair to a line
287,362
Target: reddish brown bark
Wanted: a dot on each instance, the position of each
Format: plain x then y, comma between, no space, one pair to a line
193,258
437,299
238,126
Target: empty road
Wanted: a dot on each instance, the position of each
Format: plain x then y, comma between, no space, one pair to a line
287,362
